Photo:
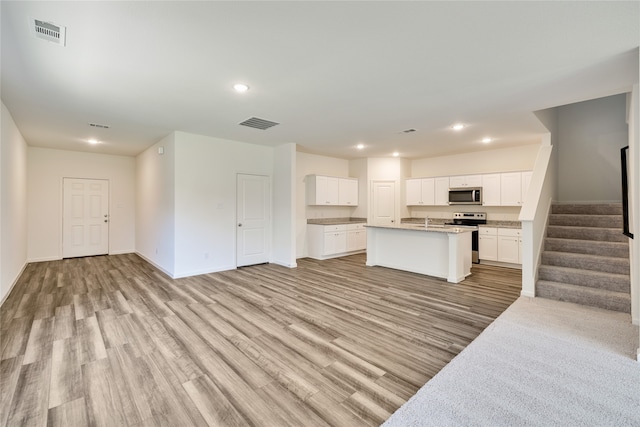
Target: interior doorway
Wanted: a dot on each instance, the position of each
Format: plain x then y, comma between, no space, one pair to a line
253,219
85,217
383,203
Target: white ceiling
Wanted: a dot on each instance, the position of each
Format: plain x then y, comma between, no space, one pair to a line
333,74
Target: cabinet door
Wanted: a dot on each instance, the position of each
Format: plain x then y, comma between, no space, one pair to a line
356,240
348,192
473,181
414,192
441,186
491,189
519,250
511,189
508,249
428,191
457,181
488,247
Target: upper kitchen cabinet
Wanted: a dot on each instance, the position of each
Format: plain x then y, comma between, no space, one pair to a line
514,187
331,191
420,192
347,192
465,181
491,189
442,191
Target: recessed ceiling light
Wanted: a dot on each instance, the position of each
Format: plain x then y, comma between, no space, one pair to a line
360,146
93,141
486,140
457,126
240,87
396,154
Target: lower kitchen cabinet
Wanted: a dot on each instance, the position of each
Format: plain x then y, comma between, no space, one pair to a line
509,245
330,241
500,244
488,244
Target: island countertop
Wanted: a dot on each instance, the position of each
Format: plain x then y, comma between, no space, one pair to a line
437,228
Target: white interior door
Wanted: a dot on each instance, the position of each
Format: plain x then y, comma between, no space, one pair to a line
85,217
383,203
253,220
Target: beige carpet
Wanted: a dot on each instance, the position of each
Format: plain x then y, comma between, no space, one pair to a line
541,363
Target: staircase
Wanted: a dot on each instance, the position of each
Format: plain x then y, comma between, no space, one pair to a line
586,257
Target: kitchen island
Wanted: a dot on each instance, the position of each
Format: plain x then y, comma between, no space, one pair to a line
440,251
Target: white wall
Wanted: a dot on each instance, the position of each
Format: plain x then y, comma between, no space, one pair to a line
590,136
205,199
358,168
13,203
155,216
46,169
501,160
284,205
312,164
634,202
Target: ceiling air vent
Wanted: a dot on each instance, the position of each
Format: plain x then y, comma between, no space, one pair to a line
48,31
257,123
96,125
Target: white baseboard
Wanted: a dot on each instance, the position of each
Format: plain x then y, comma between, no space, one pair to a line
286,264
44,259
154,264
123,252
527,294
4,297
203,271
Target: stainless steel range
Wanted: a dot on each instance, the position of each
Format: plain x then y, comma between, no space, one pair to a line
471,220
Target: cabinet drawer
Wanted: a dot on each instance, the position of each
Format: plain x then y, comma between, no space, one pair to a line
487,231
511,232
355,226
331,228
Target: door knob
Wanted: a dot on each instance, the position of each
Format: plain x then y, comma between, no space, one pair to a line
106,215
240,225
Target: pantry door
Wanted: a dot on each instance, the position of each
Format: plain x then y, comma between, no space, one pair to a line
85,217
253,225
383,201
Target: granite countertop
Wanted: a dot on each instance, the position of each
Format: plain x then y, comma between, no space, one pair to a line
440,221
502,224
437,228
336,221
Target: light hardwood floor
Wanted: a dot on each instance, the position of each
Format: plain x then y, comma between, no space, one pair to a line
110,340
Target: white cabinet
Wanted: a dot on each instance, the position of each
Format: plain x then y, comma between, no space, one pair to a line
420,192
511,189
356,237
347,192
509,242
465,181
491,189
441,196
488,243
514,187
331,191
329,241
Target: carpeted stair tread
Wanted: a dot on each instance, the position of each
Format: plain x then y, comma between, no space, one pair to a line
591,247
588,209
610,300
578,220
586,233
604,264
592,279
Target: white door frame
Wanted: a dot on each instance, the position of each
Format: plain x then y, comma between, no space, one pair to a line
242,223
373,200
106,211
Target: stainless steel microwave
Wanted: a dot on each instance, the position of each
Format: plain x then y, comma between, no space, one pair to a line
465,196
